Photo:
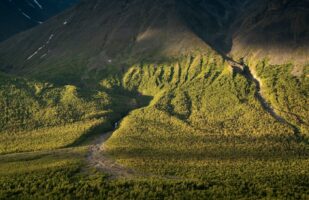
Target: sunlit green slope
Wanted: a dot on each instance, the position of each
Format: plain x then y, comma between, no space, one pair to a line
193,123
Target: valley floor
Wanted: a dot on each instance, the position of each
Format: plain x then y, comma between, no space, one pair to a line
98,159
85,172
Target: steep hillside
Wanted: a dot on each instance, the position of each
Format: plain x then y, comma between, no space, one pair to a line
119,33
276,29
97,34
212,20
191,113
19,15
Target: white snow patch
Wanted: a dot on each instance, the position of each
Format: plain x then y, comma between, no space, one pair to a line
44,55
27,16
38,4
50,38
36,52
24,14
30,4
41,47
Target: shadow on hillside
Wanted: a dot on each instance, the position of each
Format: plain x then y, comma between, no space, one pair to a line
229,154
213,147
111,119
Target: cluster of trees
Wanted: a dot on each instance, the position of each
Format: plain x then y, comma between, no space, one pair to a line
201,91
202,121
46,138
36,115
203,124
288,94
58,176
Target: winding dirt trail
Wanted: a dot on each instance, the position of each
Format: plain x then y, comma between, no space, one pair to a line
98,159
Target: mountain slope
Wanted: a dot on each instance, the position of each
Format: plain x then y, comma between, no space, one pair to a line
110,33
276,29
128,31
160,74
99,44
20,15
97,34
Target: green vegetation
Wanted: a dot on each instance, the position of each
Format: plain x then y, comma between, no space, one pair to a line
61,175
203,135
205,121
45,138
40,116
287,93
28,105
